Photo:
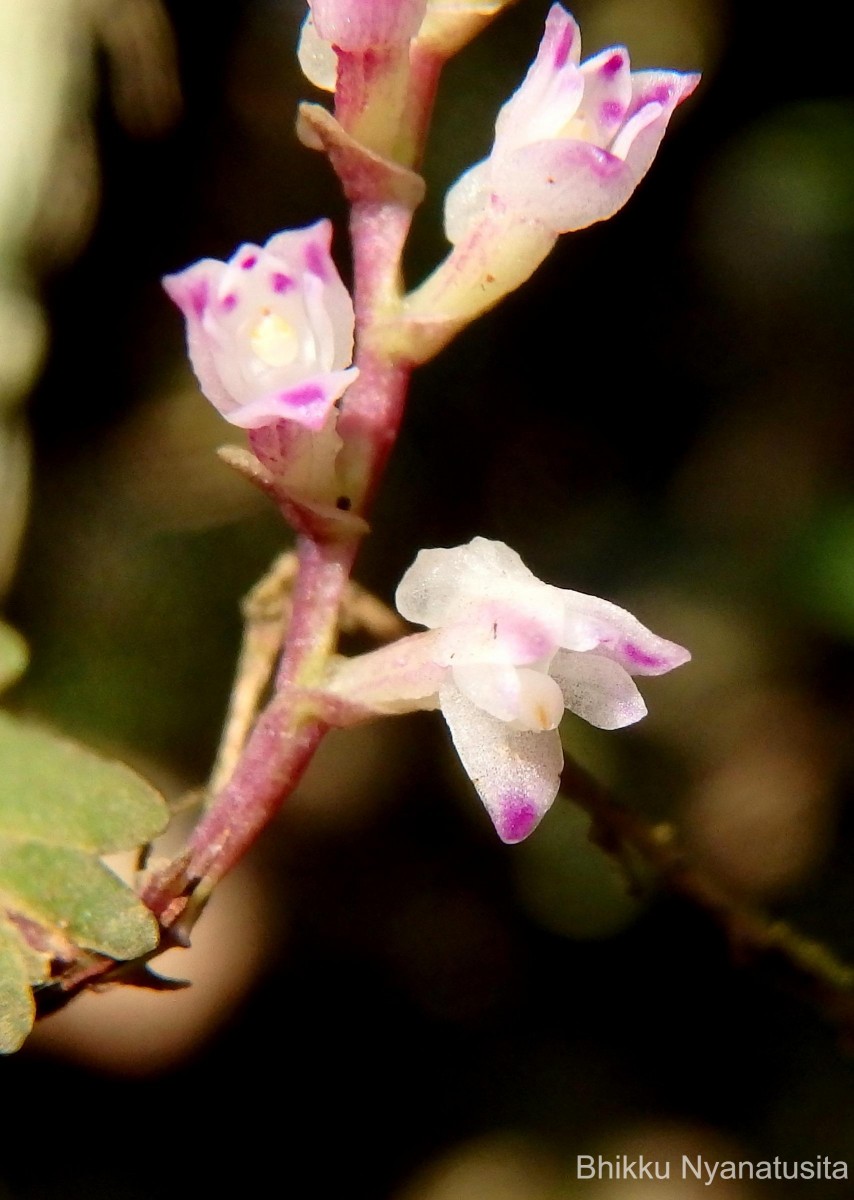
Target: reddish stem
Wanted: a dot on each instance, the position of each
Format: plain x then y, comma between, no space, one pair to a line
289,730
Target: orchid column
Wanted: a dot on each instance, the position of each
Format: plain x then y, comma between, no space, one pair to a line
319,382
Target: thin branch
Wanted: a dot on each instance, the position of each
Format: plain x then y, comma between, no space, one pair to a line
816,973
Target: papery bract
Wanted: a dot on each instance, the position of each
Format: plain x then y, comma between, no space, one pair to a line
362,25
504,656
270,332
573,143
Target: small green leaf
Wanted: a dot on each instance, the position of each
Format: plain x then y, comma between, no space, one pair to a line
61,806
13,655
54,791
67,890
17,1007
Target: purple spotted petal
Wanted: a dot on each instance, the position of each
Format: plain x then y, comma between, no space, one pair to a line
270,332
516,773
607,94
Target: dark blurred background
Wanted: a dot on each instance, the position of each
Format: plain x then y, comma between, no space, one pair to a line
389,1002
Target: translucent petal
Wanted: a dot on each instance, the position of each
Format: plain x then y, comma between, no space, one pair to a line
401,677
440,579
516,772
526,698
564,184
597,689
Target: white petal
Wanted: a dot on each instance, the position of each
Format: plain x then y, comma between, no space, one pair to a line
318,60
440,580
466,200
516,772
525,698
597,689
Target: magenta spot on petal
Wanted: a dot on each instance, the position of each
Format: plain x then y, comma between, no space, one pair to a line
563,47
229,302
199,298
281,282
660,95
316,260
301,397
611,112
249,262
603,164
517,818
641,658
612,65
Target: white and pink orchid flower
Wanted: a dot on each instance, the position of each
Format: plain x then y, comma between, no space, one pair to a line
504,655
270,332
574,141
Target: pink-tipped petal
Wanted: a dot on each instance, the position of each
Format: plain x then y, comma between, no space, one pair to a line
655,96
616,634
551,91
516,772
607,94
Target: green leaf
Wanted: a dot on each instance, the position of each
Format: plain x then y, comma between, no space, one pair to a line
61,806
57,792
13,655
65,889
17,1008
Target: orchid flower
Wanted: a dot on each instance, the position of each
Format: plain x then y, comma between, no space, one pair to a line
270,332
504,656
571,145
